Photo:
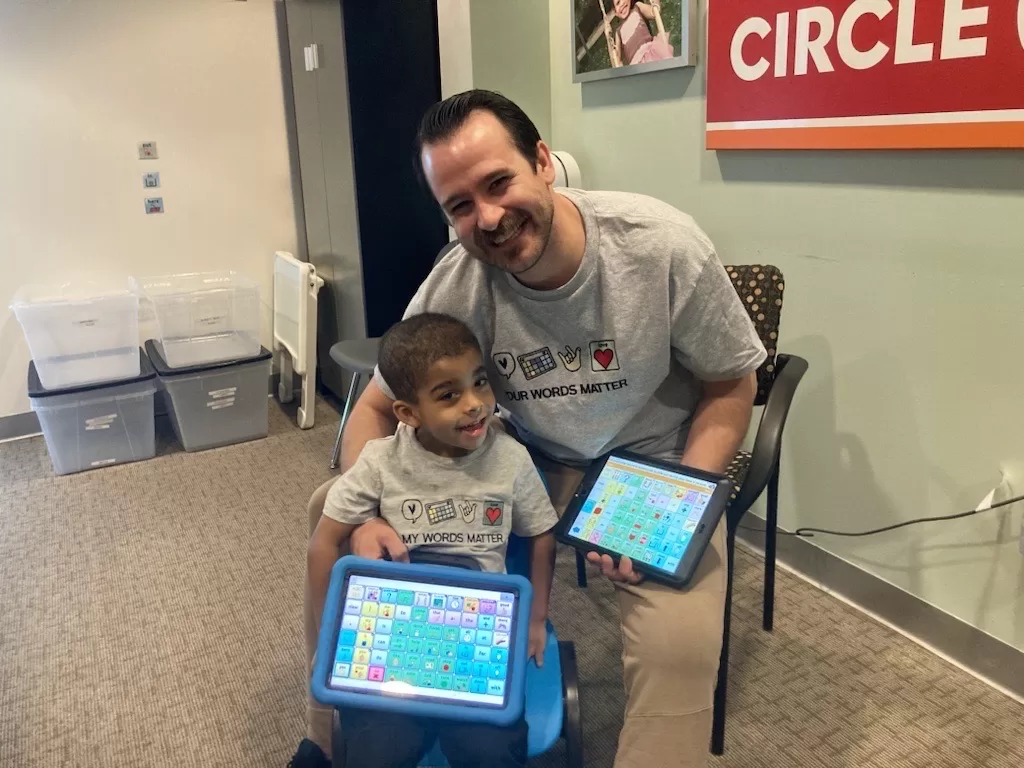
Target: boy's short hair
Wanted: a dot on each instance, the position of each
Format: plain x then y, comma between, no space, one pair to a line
410,347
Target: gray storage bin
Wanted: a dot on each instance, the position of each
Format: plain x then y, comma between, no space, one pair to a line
217,404
97,425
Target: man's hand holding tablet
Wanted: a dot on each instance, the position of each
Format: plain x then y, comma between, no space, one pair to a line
621,571
638,517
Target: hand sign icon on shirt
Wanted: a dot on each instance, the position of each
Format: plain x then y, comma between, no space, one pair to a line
572,359
468,510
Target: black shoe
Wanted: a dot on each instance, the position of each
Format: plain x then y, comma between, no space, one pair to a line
309,755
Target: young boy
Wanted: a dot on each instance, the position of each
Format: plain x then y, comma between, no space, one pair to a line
451,481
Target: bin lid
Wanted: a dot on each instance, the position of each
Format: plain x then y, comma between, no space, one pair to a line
35,387
164,370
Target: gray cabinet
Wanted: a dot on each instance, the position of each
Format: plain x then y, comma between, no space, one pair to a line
362,74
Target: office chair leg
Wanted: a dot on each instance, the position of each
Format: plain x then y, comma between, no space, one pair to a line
770,537
349,400
572,719
718,721
581,569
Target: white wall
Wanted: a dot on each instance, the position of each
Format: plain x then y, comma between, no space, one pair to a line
905,291
81,83
455,46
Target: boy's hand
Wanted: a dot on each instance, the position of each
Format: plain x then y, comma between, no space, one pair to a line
375,538
624,573
538,640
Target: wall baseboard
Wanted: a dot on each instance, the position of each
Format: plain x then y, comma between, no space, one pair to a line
19,425
979,653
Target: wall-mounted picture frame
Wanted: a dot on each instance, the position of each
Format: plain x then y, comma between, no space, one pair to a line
615,38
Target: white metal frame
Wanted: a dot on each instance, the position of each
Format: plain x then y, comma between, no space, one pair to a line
296,286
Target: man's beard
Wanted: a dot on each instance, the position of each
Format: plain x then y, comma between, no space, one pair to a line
509,224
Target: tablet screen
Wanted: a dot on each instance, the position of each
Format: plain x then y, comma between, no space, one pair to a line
424,640
644,512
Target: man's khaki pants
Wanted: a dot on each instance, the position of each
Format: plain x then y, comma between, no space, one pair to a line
671,641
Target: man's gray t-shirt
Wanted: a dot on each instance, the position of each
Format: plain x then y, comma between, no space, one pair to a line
615,357
461,506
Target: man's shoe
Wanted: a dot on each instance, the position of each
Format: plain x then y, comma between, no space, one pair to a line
309,755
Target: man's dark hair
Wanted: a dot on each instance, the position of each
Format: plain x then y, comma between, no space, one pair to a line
444,118
410,347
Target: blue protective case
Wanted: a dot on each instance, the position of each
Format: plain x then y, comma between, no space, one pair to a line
331,621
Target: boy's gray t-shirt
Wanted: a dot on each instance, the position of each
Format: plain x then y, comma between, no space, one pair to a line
461,506
614,358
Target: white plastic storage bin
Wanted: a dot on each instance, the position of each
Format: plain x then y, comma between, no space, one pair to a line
80,333
96,425
204,317
218,404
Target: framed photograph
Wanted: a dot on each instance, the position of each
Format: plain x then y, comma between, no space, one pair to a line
614,38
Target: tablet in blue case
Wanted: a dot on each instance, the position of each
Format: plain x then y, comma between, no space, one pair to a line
424,640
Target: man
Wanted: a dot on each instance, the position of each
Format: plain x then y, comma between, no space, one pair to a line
608,321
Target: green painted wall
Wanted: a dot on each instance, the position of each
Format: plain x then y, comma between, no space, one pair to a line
510,54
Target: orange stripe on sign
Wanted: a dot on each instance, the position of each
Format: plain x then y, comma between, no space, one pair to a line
932,136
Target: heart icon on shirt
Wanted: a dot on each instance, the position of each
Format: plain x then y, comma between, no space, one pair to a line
604,357
493,515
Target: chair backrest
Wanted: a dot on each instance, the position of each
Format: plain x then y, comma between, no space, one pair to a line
760,288
444,251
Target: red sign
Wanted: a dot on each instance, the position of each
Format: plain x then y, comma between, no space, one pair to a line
857,74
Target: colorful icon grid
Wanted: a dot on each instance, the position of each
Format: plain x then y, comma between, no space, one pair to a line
442,642
648,518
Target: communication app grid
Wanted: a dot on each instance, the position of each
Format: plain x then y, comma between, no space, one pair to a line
642,512
412,638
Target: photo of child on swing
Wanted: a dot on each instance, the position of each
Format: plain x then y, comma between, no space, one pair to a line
616,37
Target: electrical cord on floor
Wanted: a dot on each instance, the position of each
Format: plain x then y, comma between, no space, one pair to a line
808,533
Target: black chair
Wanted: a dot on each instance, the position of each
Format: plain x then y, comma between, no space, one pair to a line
359,357
760,288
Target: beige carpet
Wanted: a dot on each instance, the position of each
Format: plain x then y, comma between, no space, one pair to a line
150,615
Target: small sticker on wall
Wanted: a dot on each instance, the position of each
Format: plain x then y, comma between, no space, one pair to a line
147,150
154,205
151,180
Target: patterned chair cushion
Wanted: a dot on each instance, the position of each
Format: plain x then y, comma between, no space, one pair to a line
760,288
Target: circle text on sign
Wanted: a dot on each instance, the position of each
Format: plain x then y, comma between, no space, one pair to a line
815,27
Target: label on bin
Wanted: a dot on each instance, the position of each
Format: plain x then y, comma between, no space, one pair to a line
222,398
209,320
102,462
100,422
